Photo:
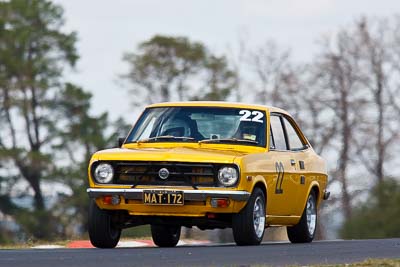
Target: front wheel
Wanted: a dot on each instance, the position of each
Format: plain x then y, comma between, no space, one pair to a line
248,225
165,235
102,231
304,231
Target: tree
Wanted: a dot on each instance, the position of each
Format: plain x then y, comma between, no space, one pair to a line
159,71
269,64
378,216
357,71
219,80
377,65
338,75
174,68
33,53
80,136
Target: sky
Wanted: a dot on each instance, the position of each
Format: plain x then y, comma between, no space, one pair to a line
108,29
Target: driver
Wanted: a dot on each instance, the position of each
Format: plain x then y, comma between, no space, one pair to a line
177,127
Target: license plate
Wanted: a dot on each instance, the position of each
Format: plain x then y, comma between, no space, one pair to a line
163,197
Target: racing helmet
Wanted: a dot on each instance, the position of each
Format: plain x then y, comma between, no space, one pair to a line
176,127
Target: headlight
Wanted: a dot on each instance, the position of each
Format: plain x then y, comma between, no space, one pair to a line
104,173
227,176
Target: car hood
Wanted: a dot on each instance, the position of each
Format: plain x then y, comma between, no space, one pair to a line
177,154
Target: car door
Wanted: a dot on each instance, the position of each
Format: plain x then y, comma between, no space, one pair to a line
300,156
282,184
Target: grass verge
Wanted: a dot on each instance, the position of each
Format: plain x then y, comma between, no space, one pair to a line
369,263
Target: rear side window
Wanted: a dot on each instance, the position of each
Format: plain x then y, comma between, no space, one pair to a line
295,142
278,135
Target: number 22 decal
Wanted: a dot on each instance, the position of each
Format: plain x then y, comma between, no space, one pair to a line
246,115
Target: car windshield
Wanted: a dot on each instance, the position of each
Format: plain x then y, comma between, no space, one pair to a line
200,124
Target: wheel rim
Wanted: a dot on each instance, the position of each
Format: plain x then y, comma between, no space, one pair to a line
311,213
259,217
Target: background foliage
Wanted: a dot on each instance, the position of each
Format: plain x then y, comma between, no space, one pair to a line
378,216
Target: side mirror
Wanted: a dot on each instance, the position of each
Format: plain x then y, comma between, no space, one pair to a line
121,141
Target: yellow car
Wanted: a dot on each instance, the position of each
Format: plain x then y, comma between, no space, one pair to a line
210,165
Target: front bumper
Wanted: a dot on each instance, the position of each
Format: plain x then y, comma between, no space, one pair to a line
191,195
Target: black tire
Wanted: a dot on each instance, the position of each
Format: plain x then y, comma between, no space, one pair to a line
304,231
165,235
102,232
244,223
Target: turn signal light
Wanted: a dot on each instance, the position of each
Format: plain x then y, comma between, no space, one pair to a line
111,200
219,202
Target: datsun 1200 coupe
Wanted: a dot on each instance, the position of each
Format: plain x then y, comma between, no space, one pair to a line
210,165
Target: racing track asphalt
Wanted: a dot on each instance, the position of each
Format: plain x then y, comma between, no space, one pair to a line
271,254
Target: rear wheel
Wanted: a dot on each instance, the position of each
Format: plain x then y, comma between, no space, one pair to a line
304,231
165,235
102,231
248,225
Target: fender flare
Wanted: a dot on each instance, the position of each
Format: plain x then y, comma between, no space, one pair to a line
314,184
259,179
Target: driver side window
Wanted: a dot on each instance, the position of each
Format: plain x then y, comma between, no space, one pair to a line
284,135
277,134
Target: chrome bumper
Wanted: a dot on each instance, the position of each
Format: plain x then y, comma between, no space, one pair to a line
194,195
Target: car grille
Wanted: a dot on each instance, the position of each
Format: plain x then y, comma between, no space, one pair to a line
147,173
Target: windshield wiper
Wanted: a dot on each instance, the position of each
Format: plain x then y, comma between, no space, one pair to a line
165,137
233,140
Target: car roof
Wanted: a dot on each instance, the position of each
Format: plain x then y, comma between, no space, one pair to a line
217,104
